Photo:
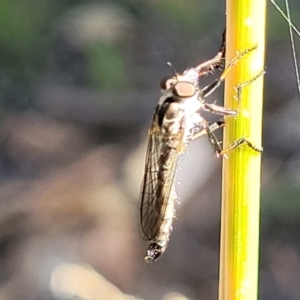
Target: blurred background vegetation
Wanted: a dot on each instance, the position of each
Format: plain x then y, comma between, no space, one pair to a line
78,86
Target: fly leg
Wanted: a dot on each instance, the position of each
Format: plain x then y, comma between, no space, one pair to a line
213,108
216,144
240,86
208,130
207,90
220,110
238,143
214,63
242,140
214,126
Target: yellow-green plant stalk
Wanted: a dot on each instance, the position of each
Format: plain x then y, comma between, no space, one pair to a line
242,170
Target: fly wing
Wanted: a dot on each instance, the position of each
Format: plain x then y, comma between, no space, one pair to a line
158,182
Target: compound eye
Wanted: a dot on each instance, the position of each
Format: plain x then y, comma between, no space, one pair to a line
184,89
166,83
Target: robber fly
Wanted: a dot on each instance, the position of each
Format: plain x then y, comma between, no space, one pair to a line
176,122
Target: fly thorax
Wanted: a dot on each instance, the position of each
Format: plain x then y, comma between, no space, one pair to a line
192,117
170,117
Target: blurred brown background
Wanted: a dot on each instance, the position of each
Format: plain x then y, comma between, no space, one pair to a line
78,86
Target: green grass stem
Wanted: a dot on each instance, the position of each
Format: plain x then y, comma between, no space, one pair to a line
242,170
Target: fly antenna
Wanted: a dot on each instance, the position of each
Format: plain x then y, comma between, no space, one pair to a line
172,68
